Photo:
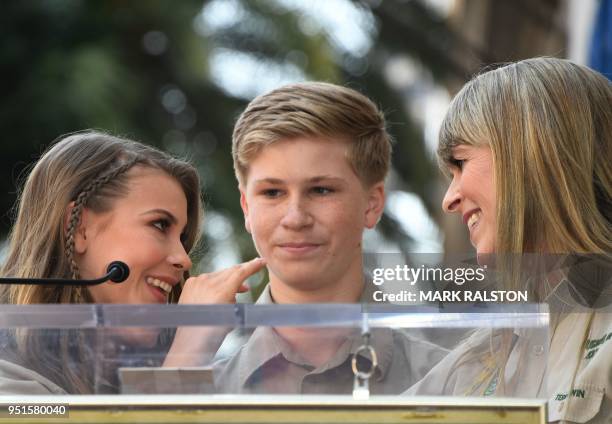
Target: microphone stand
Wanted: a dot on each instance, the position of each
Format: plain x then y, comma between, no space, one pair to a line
116,272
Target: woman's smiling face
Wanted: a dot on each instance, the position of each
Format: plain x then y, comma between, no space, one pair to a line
144,228
472,194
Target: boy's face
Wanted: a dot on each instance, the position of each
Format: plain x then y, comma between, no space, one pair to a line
306,210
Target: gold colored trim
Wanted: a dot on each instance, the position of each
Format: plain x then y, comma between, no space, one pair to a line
285,409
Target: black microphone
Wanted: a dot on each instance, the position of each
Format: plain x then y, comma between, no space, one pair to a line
116,272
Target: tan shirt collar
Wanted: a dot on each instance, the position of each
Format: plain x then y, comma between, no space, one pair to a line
265,344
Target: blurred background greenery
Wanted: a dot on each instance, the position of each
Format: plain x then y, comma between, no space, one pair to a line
176,74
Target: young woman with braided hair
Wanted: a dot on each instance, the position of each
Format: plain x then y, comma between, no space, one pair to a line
92,199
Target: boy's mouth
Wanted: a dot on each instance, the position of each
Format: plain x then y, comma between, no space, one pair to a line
299,247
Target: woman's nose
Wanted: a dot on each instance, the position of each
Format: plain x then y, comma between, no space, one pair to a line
452,198
180,258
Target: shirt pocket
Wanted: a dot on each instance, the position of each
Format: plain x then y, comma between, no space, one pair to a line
579,406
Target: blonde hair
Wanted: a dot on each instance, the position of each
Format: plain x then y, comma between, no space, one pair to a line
315,109
90,169
548,123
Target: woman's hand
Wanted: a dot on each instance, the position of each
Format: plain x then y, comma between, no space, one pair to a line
196,346
221,286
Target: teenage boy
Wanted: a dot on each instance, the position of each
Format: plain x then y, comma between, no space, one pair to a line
311,160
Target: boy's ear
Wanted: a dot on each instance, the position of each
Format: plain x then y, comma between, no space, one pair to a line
245,209
80,234
376,204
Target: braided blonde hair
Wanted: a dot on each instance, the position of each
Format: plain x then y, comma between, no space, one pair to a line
80,203
83,170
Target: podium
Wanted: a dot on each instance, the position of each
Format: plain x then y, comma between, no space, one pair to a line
122,351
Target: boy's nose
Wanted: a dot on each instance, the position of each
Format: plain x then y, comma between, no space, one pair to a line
296,215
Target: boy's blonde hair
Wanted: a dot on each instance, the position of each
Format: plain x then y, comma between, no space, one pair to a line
315,109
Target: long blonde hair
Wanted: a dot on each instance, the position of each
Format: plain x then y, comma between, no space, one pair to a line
90,169
548,123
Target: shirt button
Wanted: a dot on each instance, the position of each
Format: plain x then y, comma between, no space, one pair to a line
538,350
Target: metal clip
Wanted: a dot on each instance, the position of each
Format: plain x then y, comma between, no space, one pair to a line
361,387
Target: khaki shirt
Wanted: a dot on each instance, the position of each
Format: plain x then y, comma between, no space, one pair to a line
576,377
266,364
579,372
470,369
17,380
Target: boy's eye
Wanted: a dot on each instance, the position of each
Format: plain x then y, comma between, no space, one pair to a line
271,192
322,190
161,224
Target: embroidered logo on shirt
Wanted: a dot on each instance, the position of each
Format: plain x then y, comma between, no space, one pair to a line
592,345
577,393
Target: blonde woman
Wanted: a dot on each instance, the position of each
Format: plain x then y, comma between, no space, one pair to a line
91,199
528,148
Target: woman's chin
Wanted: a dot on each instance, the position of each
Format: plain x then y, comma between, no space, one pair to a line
485,258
